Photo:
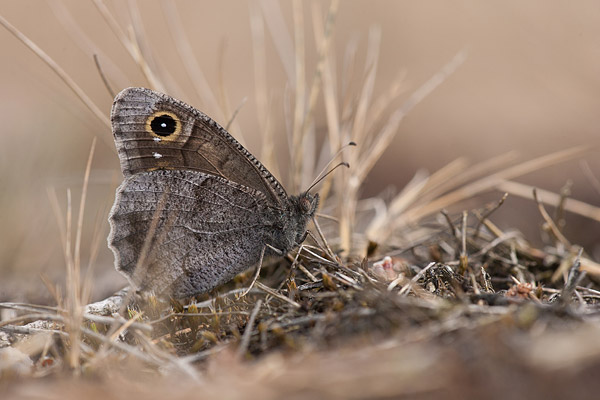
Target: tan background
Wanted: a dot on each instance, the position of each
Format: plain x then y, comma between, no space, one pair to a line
531,83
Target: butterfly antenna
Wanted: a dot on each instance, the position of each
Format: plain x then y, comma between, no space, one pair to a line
344,164
323,174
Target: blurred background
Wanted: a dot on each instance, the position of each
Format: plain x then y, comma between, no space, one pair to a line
530,83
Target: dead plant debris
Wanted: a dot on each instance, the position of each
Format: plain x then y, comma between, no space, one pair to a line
461,279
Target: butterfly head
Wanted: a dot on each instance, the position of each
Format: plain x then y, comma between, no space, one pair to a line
308,203
303,208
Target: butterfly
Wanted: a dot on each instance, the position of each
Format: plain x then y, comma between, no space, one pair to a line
195,208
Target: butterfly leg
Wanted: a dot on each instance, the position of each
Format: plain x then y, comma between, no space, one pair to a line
259,266
275,250
257,273
303,238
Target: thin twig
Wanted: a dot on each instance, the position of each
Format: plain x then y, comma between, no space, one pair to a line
453,229
248,331
557,233
488,213
320,232
277,295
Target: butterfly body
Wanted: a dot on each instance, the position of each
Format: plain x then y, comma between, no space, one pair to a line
195,207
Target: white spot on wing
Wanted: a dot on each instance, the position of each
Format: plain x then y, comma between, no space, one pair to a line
156,155
157,139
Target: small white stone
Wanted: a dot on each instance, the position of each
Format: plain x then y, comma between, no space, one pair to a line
156,155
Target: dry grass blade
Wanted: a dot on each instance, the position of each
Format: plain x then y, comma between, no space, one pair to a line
409,194
280,35
158,79
28,307
359,129
323,239
404,291
499,240
196,76
126,326
382,141
113,24
493,181
323,42
129,43
326,83
107,85
273,293
74,300
246,337
86,180
363,161
550,198
259,57
62,74
123,347
87,45
468,174
330,95
297,142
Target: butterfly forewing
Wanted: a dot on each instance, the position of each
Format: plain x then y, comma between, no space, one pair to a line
153,130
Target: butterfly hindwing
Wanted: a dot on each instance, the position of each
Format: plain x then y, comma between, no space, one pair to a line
164,221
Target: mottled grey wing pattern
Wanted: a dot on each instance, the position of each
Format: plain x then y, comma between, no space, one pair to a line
168,225
196,142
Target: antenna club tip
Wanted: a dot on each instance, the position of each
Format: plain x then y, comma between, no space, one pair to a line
345,164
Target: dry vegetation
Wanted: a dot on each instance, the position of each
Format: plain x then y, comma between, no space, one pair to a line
384,300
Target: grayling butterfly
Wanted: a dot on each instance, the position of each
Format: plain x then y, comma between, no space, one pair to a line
195,207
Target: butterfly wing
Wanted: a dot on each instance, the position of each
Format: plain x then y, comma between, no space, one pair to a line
154,131
169,223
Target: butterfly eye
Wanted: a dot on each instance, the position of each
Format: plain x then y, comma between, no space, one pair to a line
163,124
305,204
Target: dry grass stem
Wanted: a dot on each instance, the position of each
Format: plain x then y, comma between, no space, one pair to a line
547,197
62,74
